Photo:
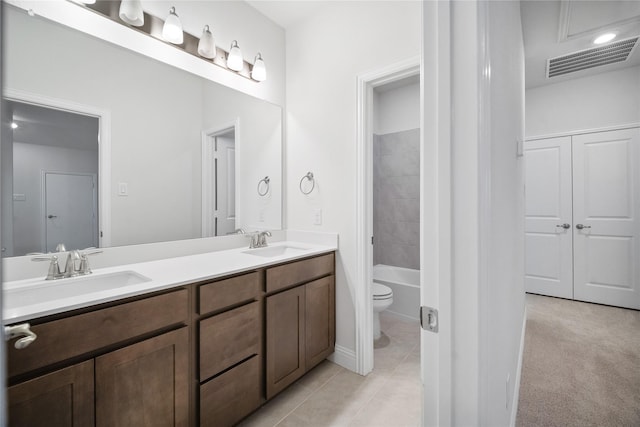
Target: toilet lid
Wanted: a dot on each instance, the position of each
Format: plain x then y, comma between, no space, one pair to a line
381,291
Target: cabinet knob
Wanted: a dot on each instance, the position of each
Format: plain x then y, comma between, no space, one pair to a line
581,226
565,226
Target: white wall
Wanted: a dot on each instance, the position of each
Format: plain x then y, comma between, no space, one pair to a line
321,120
487,292
29,161
602,100
397,109
502,298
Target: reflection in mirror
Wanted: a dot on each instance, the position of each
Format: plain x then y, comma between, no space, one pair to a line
164,170
54,177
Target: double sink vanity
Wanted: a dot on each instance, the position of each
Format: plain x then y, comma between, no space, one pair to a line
203,340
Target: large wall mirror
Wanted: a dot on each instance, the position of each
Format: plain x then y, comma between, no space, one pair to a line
106,147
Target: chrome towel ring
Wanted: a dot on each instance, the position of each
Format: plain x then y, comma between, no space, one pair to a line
310,178
265,186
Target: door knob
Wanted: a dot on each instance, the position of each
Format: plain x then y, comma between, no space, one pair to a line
565,226
52,216
581,226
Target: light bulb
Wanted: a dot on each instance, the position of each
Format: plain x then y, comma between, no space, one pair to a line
172,29
207,44
234,61
14,125
131,12
259,72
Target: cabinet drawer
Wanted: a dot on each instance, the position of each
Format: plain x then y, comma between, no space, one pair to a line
229,338
226,292
299,272
227,399
73,336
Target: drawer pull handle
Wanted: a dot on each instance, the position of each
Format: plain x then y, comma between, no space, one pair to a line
23,331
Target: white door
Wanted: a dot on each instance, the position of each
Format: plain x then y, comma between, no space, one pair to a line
225,185
70,207
548,217
606,233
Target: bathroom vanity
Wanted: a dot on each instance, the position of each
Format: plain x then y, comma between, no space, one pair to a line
206,352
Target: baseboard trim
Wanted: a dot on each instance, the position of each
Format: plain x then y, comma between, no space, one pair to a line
344,357
516,389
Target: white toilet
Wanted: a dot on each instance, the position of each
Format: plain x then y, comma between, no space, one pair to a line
382,299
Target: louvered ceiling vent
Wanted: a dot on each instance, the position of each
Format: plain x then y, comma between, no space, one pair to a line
589,58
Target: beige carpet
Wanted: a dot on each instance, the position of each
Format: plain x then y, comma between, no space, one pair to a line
581,365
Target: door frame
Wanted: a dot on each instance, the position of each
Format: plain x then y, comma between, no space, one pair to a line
43,202
104,148
208,149
364,207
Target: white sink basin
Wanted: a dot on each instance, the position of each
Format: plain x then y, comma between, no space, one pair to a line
274,251
49,290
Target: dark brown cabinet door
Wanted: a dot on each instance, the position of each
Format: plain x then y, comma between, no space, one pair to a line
285,339
319,320
144,384
61,398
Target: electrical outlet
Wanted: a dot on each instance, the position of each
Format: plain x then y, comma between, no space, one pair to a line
317,216
261,215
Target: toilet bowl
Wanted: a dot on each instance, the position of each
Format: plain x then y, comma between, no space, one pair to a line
382,299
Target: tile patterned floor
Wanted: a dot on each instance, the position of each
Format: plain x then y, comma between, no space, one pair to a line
330,395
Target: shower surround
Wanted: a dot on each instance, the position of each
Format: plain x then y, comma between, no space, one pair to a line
396,199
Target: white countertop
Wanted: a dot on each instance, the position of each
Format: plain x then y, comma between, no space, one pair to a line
163,274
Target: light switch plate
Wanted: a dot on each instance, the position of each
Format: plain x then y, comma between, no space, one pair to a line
317,216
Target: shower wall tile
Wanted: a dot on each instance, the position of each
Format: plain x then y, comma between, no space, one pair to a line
396,199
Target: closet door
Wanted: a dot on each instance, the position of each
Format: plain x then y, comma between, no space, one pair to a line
606,196
548,247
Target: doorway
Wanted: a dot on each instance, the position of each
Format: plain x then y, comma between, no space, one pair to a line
53,135
365,209
219,180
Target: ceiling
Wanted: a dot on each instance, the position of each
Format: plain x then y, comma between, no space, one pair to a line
556,28
287,13
550,28
48,126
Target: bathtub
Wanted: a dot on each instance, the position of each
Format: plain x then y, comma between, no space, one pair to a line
405,284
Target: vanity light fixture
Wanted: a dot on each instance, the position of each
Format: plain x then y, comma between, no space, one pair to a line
207,44
604,38
235,61
259,72
172,29
131,12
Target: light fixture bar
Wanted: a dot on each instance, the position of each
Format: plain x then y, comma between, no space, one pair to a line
153,27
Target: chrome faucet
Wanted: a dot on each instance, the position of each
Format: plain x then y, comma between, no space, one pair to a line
77,264
72,267
258,239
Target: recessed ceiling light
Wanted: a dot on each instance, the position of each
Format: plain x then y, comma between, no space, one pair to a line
604,38
14,125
